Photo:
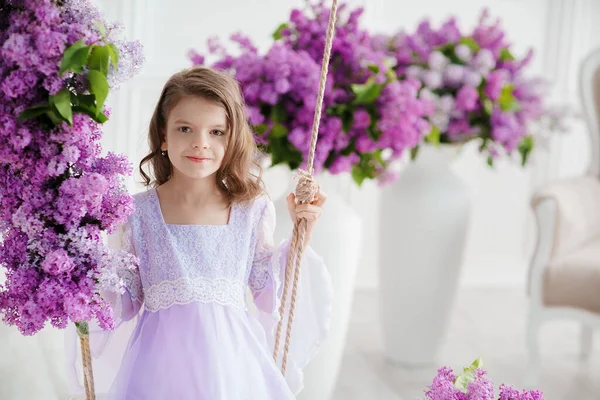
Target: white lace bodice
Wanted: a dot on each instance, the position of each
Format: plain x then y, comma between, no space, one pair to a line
181,264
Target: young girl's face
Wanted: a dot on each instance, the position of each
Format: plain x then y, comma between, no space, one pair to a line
196,137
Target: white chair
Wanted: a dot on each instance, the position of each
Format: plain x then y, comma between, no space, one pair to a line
564,280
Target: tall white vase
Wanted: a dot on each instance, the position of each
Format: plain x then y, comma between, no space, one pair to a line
424,222
337,238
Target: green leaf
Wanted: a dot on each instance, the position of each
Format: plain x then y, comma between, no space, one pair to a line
99,59
507,100
91,112
35,111
278,131
349,149
374,68
61,101
83,329
470,43
374,133
101,28
358,174
488,106
525,148
366,92
260,129
113,52
483,144
88,100
277,34
79,60
365,169
413,153
283,152
98,87
377,156
468,375
446,49
278,114
56,119
347,118
391,75
434,136
69,56
505,55
490,161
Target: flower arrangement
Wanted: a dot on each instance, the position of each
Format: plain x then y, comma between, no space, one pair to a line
369,118
473,384
57,194
477,84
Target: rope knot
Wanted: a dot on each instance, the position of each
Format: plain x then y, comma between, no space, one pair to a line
306,188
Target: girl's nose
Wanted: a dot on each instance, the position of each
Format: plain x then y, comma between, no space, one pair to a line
201,141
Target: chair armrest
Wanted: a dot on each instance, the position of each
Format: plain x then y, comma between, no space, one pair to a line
576,213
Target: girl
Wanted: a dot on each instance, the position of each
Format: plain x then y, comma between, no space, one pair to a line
204,235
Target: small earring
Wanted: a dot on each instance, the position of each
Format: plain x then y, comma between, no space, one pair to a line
163,152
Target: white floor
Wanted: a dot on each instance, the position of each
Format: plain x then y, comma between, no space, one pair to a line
487,322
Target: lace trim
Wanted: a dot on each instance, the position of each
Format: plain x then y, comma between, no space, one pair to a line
189,290
133,283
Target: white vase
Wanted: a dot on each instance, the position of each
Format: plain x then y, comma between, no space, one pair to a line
424,222
337,238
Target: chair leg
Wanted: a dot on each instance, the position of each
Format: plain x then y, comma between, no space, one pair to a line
587,337
533,371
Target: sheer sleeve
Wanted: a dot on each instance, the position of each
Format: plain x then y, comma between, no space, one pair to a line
129,303
107,347
313,301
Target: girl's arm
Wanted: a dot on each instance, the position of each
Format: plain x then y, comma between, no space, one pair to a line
128,304
313,300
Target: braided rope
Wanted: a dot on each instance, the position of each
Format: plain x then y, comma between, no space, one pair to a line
88,376
306,190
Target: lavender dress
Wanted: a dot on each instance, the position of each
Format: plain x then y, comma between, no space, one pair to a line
206,299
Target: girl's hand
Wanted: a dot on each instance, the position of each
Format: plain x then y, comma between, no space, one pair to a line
311,212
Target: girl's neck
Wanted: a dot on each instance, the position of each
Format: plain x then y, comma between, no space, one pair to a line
193,191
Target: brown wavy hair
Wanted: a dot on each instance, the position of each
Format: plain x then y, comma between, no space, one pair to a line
235,177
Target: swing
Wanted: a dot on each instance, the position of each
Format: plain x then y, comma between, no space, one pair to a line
306,190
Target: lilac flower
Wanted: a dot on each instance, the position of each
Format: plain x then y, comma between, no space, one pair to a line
454,74
57,262
362,119
467,98
472,78
432,79
280,90
56,193
463,52
484,61
509,393
437,61
472,384
343,164
494,84
491,92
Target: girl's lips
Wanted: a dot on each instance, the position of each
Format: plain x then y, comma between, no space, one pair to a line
198,159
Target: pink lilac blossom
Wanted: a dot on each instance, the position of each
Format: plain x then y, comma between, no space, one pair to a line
475,385
280,89
496,102
57,194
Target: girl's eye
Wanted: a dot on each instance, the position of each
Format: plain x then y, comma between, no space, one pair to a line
217,132
184,129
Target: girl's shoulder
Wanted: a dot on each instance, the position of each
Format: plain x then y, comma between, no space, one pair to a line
143,202
257,206
261,201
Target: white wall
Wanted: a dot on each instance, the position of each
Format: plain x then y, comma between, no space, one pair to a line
502,229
